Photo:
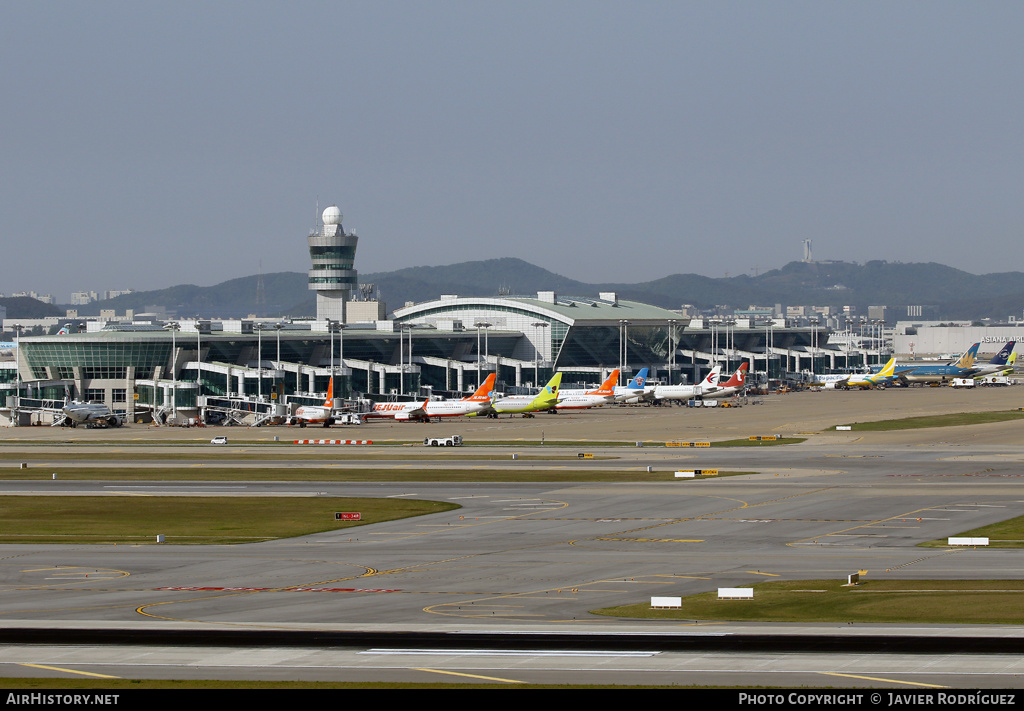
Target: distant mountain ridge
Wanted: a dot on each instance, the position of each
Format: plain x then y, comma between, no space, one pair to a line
953,293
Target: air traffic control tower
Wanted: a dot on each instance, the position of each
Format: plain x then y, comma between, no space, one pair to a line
332,277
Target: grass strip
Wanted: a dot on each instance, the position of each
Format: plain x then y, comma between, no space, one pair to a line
762,443
949,602
190,519
960,419
1005,534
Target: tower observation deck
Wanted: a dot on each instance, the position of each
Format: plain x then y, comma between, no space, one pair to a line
333,252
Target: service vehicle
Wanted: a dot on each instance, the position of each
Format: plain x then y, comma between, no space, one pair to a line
453,441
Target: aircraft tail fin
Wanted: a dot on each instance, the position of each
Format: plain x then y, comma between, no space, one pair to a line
1004,354
549,394
889,369
637,381
483,393
968,358
738,377
712,378
1010,364
608,386
329,402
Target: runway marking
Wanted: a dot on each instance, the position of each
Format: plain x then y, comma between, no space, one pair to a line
67,574
918,560
859,535
297,588
68,671
891,681
511,652
758,572
868,524
652,540
201,487
471,676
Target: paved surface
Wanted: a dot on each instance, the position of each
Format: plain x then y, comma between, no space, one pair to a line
538,557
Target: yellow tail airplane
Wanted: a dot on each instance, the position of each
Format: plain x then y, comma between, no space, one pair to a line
870,380
545,400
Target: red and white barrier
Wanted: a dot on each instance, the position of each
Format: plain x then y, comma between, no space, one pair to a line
333,441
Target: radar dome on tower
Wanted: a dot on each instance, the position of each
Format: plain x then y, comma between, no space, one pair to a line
332,215
333,274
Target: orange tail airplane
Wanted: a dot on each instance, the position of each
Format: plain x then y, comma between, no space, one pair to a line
406,411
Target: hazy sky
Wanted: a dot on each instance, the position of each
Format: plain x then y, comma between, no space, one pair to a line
146,144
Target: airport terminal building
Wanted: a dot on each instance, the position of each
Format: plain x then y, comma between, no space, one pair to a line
249,369
441,347
448,345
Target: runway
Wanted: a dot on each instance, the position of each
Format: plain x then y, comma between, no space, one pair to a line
536,558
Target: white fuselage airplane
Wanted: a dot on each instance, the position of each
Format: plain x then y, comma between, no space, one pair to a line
870,380
408,411
684,392
636,390
316,414
998,363
545,400
834,380
733,385
84,413
582,399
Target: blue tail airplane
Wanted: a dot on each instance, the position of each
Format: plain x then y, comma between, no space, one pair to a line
633,391
962,367
997,364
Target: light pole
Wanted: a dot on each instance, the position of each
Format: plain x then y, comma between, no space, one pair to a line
730,341
536,350
814,342
199,360
480,325
341,347
876,340
331,324
173,327
277,327
626,350
404,327
17,374
259,360
671,349
714,323
623,346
